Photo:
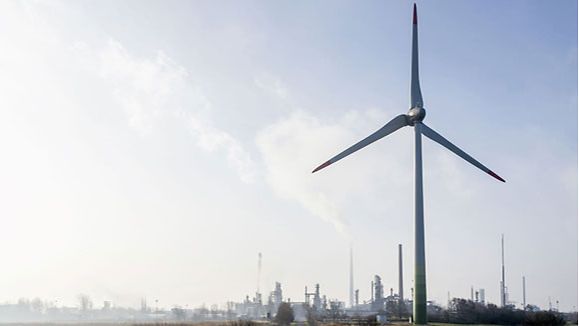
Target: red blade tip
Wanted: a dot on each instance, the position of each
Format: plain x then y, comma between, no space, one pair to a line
496,176
415,19
322,166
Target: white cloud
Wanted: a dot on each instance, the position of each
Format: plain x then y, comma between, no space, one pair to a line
144,87
212,139
149,89
271,85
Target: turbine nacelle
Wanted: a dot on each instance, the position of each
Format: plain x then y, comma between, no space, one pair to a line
416,114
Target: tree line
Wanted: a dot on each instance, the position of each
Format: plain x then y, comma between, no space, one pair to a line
463,311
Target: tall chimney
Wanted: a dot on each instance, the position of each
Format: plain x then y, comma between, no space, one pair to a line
351,277
400,277
524,295
258,271
503,292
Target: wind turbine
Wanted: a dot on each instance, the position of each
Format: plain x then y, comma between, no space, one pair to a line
414,118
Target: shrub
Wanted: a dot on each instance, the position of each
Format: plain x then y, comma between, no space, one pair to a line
543,318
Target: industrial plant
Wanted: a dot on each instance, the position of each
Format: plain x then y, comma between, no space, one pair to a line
383,305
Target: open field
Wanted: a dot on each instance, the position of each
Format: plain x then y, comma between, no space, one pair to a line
196,324
214,323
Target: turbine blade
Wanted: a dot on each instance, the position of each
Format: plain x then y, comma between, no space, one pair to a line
415,93
426,131
394,124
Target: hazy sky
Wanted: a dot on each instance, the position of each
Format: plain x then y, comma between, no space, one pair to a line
153,148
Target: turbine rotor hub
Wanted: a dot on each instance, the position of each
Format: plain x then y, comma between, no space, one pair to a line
416,114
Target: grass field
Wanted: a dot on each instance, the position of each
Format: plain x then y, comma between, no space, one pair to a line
233,323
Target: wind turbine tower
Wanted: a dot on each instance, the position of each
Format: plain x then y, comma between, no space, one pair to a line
414,118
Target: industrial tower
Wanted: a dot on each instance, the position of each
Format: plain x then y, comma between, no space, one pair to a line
351,278
400,278
503,286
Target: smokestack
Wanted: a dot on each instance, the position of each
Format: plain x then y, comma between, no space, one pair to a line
351,277
471,293
258,270
503,292
524,296
400,277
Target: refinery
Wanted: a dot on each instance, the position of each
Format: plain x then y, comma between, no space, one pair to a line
315,304
381,307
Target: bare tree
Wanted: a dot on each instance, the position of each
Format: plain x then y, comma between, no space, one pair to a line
37,305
